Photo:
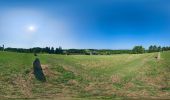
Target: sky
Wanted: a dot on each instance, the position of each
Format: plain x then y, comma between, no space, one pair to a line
84,24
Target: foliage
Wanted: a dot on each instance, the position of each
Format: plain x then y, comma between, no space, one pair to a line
154,48
138,49
36,50
59,50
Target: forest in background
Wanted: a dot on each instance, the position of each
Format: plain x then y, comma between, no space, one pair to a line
59,50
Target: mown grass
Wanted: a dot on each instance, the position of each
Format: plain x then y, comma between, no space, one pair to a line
86,77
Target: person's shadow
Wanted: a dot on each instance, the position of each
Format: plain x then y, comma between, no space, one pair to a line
38,73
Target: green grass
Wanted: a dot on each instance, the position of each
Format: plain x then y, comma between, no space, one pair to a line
86,77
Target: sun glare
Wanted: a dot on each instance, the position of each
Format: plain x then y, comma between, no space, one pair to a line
31,28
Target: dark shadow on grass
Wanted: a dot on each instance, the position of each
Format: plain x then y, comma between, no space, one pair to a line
38,73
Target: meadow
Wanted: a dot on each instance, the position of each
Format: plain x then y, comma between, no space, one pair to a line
120,76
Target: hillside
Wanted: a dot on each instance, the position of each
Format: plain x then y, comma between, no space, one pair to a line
86,77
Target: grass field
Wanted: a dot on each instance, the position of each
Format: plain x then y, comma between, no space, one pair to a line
86,77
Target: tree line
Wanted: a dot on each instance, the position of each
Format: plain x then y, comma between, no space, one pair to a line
49,50
152,48
59,50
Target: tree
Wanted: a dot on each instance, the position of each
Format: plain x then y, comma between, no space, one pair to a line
60,50
165,48
159,48
151,48
138,50
56,51
47,49
1,48
155,48
52,50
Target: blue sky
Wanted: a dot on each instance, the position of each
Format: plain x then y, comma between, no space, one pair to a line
100,24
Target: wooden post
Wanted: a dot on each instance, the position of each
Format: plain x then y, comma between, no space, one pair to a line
159,56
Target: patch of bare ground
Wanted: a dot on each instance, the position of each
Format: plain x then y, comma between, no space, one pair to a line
24,85
142,93
128,85
145,94
73,82
158,82
64,93
59,98
47,72
100,89
115,79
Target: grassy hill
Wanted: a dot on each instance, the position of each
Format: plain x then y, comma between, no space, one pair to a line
85,76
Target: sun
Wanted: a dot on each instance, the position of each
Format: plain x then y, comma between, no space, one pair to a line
32,28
